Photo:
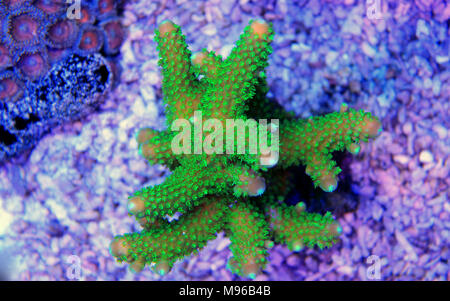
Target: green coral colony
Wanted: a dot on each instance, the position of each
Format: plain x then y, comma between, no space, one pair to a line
233,192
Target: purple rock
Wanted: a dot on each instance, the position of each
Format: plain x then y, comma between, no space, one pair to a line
276,258
311,263
293,260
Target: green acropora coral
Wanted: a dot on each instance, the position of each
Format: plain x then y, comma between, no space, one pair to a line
240,193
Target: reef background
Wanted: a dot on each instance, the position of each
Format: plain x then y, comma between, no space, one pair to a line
62,203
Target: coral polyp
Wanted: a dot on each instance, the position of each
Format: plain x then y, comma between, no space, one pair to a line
105,7
62,33
25,27
242,194
90,40
114,35
33,65
10,88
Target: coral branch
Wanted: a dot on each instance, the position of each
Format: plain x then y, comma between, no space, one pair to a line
236,75
172,241
179,82
248,233
311,142
296,228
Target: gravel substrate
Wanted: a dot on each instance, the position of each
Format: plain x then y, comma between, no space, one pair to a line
62,203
